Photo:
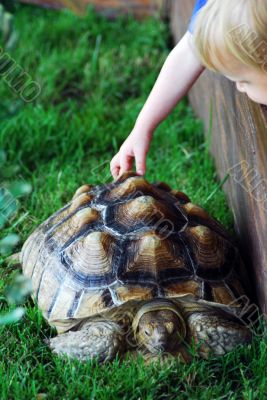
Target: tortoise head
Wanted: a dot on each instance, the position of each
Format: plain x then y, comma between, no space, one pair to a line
159,326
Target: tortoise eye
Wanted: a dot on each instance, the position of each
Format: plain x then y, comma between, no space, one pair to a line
147,332
170,327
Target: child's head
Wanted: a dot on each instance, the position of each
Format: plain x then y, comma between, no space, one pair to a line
231,38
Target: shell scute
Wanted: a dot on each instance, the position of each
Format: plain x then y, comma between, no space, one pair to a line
83,199
198,216
145,212
90,259
214,257
181,197
71,227
82,190
151,260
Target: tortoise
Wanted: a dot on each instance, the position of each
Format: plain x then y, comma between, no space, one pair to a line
133,265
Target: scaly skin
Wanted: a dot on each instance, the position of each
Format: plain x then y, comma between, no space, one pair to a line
159,333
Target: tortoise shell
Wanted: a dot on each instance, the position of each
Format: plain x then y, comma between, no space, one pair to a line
127,240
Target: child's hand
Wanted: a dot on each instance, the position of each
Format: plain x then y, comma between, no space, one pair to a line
179,72
135,148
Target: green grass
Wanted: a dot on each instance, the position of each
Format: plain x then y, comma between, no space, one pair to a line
95,76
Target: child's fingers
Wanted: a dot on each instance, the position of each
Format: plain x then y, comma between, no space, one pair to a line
126,162
115,166
140,162
120,164
115,172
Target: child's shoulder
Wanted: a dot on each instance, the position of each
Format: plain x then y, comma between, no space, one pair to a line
199,4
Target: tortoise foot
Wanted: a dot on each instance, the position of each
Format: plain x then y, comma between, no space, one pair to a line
216,334
102,340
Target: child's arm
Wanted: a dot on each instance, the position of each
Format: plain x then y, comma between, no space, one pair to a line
180,70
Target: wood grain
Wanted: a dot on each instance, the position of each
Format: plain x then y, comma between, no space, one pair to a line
239,147
109,8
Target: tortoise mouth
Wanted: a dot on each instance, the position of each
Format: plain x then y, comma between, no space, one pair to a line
157,305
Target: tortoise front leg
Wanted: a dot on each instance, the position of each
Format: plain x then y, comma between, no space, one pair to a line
217,333
101,339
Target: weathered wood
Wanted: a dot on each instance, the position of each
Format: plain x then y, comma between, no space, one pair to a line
239,146
109,8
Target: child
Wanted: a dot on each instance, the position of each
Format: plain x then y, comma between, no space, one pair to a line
229,37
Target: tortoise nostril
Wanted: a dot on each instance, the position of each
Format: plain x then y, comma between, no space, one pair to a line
159,346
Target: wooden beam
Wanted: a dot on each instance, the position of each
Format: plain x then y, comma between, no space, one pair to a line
239,147
109,8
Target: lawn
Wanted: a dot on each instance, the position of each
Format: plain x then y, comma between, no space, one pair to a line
95,76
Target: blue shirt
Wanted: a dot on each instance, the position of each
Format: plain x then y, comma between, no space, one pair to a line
199,4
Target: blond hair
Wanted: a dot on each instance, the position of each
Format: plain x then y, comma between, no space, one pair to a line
232,28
